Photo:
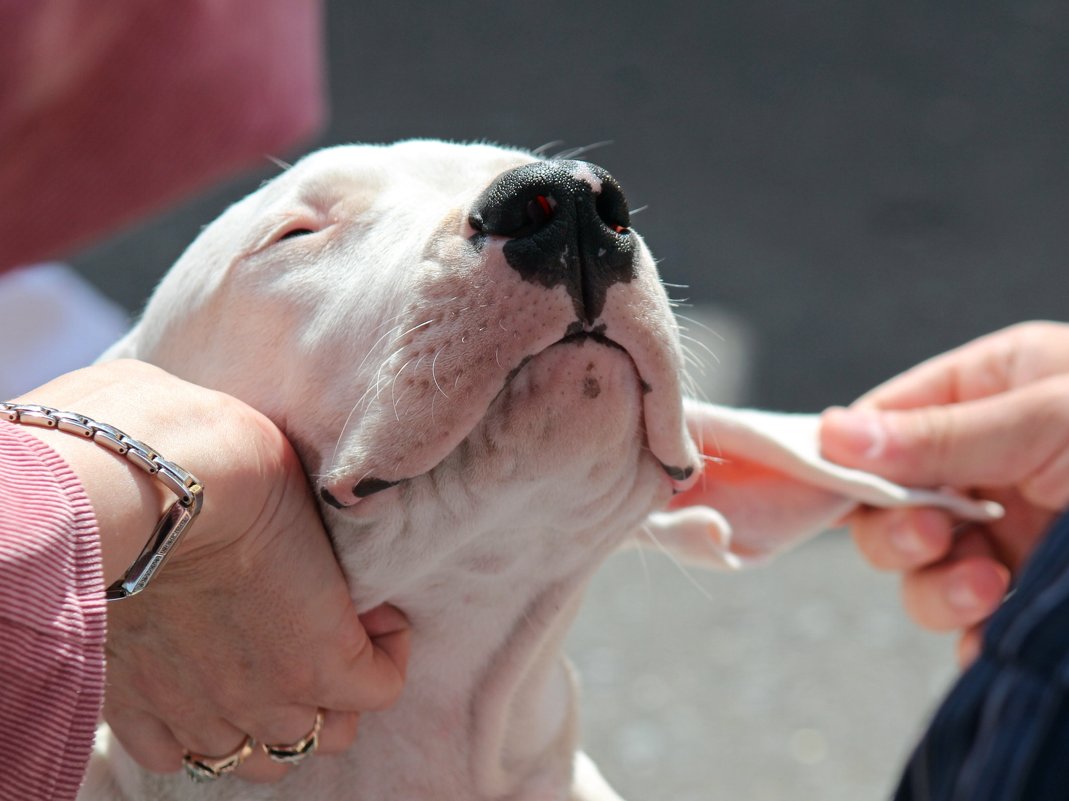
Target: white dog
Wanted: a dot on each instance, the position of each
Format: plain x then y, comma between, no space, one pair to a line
475,358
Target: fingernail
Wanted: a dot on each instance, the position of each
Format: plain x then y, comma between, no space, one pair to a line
961,596
861,432
905,539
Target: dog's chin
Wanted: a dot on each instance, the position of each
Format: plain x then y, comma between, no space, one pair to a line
576,403
573,403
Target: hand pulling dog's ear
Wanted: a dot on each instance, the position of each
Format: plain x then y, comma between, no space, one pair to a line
765,488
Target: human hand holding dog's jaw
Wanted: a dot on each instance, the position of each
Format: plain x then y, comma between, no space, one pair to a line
990,417
249,627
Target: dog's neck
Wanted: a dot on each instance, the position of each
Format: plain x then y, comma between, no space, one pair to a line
490,578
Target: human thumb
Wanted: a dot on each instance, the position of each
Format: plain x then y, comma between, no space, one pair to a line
1015,438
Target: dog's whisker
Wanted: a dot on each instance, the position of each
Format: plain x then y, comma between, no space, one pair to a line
393,389
691,364
682,568
693,388
703,326
424,324
541,150
380,379
344,429
282,165
575,152
360,401
700,344
692,358
376,388
411,387
371,350
434,377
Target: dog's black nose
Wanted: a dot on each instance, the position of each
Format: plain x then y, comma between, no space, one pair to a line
567,224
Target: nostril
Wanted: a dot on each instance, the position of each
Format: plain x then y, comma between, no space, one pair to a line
518,219
539,212
611,206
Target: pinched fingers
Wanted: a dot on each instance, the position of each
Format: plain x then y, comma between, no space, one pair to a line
902,539
1016,439
949,580
960,591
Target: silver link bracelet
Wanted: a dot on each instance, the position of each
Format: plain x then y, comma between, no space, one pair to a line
182,483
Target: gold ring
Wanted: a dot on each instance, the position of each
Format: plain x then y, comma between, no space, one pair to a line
201,768
292,753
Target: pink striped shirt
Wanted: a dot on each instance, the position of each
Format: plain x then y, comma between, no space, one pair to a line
52,622
109,111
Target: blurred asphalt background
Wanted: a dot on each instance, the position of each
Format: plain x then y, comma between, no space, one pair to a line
847,188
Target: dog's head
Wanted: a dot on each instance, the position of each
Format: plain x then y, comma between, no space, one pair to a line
385,305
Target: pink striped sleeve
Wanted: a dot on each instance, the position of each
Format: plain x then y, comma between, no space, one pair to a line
52,621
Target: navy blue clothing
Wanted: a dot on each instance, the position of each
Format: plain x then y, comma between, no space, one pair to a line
1002,734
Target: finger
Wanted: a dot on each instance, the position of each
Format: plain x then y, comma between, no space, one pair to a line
994,442
145,738
260,769
959,592
216,738
288,726
338,732
369,668
902,539
969,645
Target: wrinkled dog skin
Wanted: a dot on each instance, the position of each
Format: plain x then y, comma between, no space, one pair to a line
476,360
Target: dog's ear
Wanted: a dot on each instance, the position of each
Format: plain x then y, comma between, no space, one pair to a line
766,488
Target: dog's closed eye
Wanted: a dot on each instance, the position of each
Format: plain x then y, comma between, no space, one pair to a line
293,233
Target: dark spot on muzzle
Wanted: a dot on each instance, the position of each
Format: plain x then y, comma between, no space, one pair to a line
369,486
561,231
329,499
